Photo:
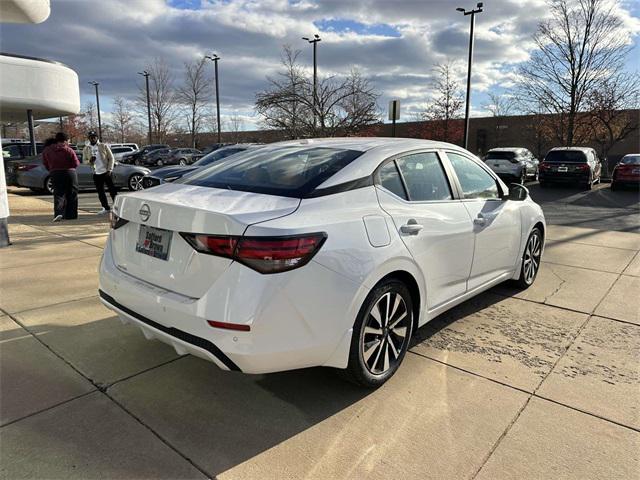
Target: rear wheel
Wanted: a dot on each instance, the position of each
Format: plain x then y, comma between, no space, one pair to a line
381,334
48,185
589,184
159,163
613,185
530,259
182,162
135,182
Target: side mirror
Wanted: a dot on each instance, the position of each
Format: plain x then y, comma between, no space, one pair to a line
517,192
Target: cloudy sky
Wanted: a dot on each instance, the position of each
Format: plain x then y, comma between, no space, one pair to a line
394,42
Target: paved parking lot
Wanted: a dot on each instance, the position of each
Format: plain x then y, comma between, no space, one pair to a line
543,383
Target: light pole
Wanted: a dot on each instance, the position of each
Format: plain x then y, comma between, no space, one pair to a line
468,100
214,58
146,75
95,84
316,38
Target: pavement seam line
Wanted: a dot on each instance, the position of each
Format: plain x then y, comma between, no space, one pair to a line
49,305
103,390
45,262
505,295
51,407
555,241
560,357
587,268
61,235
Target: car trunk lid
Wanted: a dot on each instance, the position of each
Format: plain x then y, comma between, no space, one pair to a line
150,247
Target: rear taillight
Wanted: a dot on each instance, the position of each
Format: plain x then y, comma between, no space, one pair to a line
544,166
582,167
26,168
116,221
263,254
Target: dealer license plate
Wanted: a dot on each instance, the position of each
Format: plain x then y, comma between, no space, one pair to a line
563,169
154,242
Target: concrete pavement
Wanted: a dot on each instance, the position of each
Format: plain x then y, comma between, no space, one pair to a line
536,384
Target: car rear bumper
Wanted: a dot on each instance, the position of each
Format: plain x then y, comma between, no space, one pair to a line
627,179
291,325
564,177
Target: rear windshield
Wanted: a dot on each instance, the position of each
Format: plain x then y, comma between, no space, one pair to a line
566,156
292,171
501,155
630,160
217,155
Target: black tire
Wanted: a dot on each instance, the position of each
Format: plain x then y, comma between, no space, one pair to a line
138,162
589,184
135,182
614,186
530,259
48,185
371,367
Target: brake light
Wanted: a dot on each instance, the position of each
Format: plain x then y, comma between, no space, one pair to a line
582,167
544,166
26,168
263,254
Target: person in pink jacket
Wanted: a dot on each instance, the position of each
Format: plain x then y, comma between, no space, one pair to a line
61,161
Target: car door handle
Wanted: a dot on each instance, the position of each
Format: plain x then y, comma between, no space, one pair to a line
480,220
411,227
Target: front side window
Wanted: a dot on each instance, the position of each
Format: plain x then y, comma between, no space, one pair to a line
292,171
424,177
474,180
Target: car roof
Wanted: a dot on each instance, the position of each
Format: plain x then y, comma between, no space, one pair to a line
506,149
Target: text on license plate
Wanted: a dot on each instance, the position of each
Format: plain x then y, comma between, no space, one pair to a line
635,171
562,169
154,242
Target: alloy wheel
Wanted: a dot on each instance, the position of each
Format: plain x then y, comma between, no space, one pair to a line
531,260
385,333
182,162
135,182
49,185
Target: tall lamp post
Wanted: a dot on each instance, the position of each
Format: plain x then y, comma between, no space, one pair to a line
95,84
214,58
468,100
146,75
314,41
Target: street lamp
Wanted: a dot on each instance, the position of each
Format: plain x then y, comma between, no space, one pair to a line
95,84
146,75
214,58
468,100
314,41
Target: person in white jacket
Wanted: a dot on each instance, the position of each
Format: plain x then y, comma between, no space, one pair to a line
102,161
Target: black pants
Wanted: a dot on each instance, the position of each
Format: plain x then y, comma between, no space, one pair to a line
100,181
65,193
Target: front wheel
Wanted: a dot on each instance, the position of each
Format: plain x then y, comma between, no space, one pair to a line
381,334
182,162
531,259
159,163
135,182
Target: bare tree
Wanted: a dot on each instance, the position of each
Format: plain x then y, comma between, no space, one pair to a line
446,105
123,119
576,48
193,95
162,99
344,106
234,126
611,119
500,105
90,116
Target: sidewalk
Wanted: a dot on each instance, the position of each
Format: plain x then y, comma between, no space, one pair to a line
537,384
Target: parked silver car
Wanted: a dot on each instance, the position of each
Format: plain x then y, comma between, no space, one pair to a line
32,174
518,164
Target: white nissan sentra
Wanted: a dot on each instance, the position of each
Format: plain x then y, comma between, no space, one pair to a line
328,252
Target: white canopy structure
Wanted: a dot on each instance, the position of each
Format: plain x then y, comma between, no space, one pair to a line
31,88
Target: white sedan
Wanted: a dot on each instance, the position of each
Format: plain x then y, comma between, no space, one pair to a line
328,252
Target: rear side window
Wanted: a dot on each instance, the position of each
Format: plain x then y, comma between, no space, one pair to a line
292,171
390,179
501,155
424,177
474,180
217,155
630,160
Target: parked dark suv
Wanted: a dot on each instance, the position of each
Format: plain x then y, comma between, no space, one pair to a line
573,165
136,157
